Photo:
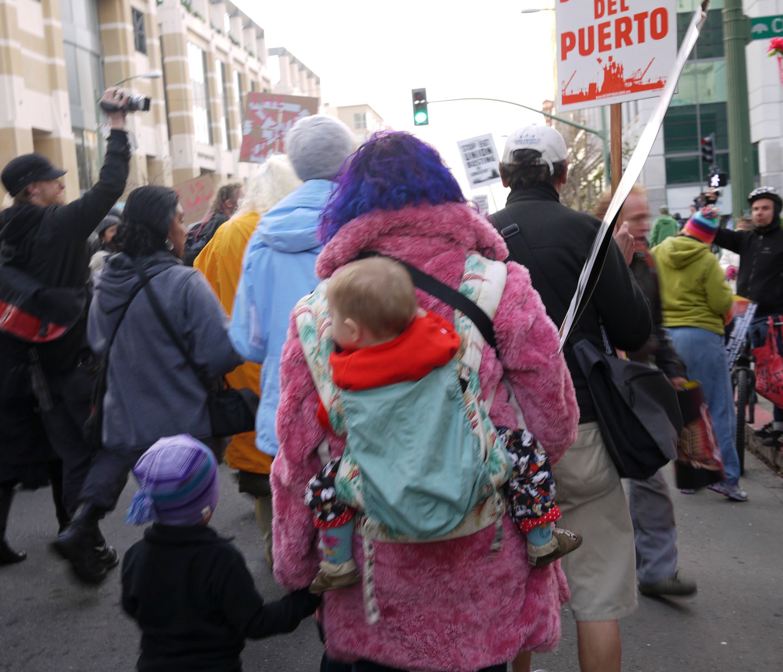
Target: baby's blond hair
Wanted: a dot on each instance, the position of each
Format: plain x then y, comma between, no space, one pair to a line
377,293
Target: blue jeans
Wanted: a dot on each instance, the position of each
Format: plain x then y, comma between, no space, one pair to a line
705,358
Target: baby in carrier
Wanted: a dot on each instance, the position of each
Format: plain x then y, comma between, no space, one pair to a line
384,339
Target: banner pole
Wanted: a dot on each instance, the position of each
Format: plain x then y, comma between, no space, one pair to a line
616,110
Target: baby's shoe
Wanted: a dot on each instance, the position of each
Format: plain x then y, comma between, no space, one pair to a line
562,543
332,576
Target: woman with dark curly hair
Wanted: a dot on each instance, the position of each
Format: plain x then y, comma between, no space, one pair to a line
459,604
151,390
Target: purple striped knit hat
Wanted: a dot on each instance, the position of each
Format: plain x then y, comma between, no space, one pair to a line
178,483
703,225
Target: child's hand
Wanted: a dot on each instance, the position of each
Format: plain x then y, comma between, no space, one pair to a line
308,601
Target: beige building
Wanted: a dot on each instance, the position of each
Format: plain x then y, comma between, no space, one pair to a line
363,120
195,60
292,77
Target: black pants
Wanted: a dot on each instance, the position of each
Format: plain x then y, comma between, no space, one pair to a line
71,399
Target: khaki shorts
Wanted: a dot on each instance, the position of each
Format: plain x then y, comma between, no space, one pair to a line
602,572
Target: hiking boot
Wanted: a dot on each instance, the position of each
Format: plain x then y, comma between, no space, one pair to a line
564,541
672,586
731,491
83,545
332,576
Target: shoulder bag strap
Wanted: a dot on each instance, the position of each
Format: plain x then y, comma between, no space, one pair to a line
451,297
166,324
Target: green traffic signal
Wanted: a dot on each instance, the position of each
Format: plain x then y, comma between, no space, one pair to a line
420,115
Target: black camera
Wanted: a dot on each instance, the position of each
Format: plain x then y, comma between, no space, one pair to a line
133,104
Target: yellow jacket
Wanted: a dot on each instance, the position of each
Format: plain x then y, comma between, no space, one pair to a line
221,263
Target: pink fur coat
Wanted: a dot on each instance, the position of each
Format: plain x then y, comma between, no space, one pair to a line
451,605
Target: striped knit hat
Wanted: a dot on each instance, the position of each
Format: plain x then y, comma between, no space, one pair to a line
178,483
703,225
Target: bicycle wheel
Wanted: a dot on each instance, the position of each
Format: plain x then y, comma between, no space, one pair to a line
743,397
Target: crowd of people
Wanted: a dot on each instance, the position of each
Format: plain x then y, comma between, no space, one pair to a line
427,466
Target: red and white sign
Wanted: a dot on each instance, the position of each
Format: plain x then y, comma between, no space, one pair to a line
268,117
196,195
613,51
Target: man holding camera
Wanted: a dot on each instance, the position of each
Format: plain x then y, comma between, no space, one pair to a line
46,391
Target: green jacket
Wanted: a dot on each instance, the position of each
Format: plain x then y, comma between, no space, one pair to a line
663,228
694,292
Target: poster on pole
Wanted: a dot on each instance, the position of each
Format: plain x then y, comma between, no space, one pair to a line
480,160
613,51
268,117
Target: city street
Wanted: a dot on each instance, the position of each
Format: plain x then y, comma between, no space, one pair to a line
50,624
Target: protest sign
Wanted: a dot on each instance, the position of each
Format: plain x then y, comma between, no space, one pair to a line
196,195
613,51
480,160
268,117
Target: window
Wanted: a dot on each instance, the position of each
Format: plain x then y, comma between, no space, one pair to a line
702,82
139,31
198,78
683,129
710,42
360,121
222,84
238,92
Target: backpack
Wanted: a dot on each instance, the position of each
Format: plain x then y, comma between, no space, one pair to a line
462,493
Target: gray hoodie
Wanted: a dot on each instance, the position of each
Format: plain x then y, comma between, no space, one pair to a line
151,390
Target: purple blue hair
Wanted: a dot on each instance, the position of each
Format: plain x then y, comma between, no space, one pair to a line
390,171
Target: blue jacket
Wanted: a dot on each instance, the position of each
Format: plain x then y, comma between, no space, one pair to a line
277,271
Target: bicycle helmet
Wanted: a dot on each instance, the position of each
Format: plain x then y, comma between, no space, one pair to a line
770,193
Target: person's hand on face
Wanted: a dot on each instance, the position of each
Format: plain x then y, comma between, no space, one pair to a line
625,241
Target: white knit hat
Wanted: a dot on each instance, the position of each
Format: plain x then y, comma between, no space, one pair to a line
318,146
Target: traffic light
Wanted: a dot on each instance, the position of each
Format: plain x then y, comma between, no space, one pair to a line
718,179
708,149
420,115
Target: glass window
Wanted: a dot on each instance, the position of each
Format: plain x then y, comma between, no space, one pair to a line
238,91
87,157
359,121
222,87
702,82
710,42
139,31
198,80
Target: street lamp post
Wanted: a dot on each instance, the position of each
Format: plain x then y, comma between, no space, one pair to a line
594,131
736,31
154,74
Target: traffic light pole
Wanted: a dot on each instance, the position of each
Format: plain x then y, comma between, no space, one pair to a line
600,134
736,31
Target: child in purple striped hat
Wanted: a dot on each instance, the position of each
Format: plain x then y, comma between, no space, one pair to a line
188,589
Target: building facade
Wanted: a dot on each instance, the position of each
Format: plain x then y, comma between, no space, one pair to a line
291,77
363,120
195,59
675,173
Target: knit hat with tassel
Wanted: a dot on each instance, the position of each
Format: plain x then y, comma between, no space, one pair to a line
178,483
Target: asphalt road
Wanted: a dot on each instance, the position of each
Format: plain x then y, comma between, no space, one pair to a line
48,623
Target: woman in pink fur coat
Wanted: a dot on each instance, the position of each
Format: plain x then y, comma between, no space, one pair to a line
452,605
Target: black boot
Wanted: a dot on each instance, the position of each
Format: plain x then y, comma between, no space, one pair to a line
83,545
56,479
8,556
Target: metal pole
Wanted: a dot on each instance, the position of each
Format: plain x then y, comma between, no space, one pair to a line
601,134
616,110
736,31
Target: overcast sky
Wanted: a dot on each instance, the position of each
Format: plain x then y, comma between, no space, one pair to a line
376,52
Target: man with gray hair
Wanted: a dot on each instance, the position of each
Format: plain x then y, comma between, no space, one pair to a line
553,242
279,264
